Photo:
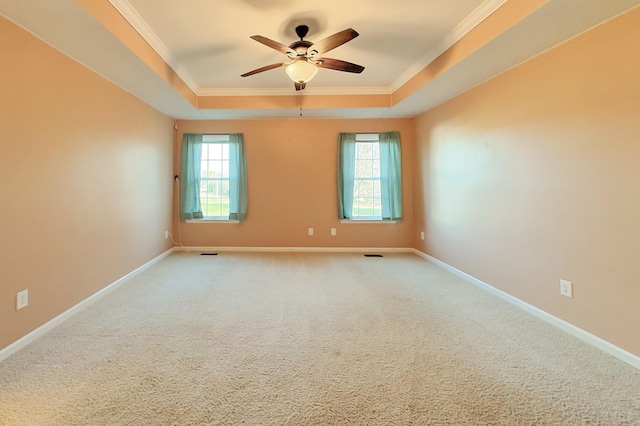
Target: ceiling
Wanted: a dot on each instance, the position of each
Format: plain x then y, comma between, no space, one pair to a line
207,46
207,34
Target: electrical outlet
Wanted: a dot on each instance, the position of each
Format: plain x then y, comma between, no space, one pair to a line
333,232
22,299
166,235
566,288
310,232
422,235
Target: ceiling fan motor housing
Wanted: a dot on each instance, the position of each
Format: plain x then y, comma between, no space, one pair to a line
300,47
305,56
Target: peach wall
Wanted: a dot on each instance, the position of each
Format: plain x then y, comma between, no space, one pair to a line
507,15
294,101
534,176
291,172
85,182
107,14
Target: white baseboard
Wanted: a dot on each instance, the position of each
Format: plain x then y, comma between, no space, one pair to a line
581,334
200,249
49,325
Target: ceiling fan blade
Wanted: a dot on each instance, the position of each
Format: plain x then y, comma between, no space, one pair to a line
299,86
265,68
331,42
274,45
338,65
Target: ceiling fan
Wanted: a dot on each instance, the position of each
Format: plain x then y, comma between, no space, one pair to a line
305,57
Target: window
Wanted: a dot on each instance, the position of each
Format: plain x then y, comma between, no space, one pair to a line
214,177
213,184
367,201
369,176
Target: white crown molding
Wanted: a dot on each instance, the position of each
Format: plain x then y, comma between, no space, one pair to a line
478,15
287,91
139,24
581,334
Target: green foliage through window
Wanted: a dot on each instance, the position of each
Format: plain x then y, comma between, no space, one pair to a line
214,178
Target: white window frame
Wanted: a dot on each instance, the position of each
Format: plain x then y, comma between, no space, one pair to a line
366,138
213,139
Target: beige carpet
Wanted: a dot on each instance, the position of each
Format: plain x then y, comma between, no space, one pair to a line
310,339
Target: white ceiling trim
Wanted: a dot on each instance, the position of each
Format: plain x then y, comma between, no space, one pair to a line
286,91
76,33
133,17
467,24
139,24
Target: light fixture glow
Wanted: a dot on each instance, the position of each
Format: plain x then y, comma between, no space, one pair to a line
301,71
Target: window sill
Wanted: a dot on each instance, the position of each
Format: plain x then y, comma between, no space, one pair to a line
384,222
211,221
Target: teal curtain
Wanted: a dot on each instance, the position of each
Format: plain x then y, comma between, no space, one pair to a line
390,175
237,178
346,172
190,207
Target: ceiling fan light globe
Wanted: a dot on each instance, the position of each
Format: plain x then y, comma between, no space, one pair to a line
301,71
